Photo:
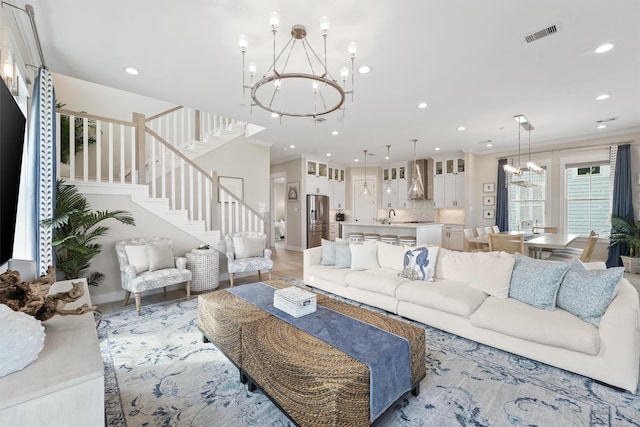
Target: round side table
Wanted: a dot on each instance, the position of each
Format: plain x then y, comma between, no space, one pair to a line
203,264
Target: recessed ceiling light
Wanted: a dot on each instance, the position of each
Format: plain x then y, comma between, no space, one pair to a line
489,144
422,105
601,126
601,97
328,154
364,69
292,146
437,148
355,160
275,115
132,71
334,133
461,128
604,48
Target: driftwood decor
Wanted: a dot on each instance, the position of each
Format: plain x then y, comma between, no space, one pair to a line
32,299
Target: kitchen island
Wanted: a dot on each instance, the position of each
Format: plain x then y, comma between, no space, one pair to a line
426,233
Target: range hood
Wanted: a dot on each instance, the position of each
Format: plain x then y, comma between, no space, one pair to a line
425,175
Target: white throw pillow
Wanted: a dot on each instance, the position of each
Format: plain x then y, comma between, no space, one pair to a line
138,257
390,256
417,267
160,256
492,273
454,265
248,246
363,256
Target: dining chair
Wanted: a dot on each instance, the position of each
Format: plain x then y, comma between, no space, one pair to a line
584,254
481,231
510,243
495,229
541,229
469,246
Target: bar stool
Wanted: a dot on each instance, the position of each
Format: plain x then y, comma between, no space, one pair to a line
389,238
356,237
407,240
371,237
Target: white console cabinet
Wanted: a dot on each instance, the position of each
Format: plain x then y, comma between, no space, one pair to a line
64,386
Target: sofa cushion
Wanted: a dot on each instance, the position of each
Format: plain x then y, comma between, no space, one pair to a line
328,256
536,282
454,265
138,257
384,281
556,328
390,256
364,256
330,274
492,273
445,295
419,262
588,293
343,255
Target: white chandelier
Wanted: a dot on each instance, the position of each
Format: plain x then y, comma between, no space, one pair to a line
283,92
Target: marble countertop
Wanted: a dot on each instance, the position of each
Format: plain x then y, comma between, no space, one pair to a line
398,224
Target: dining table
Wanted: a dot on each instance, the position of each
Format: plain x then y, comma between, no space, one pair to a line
535,242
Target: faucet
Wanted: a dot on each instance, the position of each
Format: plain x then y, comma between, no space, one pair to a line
394,213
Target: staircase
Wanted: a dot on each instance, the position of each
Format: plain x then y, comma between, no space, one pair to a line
154,161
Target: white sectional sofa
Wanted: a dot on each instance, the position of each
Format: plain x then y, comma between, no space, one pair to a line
481,296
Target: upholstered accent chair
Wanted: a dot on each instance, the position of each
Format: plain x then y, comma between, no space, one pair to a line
148,263
247,251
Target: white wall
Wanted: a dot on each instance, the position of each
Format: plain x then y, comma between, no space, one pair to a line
295,234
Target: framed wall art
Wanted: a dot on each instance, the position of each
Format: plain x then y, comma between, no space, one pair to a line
489,187
489,200
293,191
234,185
488,213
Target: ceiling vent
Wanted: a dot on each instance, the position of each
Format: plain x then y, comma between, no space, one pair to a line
540,34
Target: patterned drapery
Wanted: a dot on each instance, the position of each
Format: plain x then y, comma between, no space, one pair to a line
42,135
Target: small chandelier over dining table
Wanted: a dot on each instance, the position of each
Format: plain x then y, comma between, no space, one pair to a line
283,92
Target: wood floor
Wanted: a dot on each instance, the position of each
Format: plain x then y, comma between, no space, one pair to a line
286,264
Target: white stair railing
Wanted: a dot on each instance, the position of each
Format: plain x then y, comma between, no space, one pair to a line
112,151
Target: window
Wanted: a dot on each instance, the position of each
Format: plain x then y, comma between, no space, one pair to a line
526,199
588,198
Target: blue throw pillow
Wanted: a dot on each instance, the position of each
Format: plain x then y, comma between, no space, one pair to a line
536,282
343,255
328,253
588,293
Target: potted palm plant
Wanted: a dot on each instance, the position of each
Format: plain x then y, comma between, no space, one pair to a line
76,227
627,231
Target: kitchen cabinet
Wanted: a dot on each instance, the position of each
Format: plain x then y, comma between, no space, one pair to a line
453,237
337,187
317,177
334,231
448,182
395,177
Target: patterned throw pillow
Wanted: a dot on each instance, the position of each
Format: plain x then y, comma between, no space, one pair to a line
588,293
328,253
536,282
419,263
343,255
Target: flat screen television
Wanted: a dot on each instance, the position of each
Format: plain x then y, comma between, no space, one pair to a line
12,128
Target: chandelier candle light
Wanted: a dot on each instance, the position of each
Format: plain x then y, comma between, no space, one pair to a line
287,95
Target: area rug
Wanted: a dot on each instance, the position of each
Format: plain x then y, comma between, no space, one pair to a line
158,372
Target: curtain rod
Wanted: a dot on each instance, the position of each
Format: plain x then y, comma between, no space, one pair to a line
569,148
29,11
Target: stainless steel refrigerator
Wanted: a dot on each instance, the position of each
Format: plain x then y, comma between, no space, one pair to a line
317,219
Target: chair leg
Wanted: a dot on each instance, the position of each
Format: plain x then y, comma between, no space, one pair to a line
138,302
269,274
231,280
127,294
164,291
189,290
259,275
